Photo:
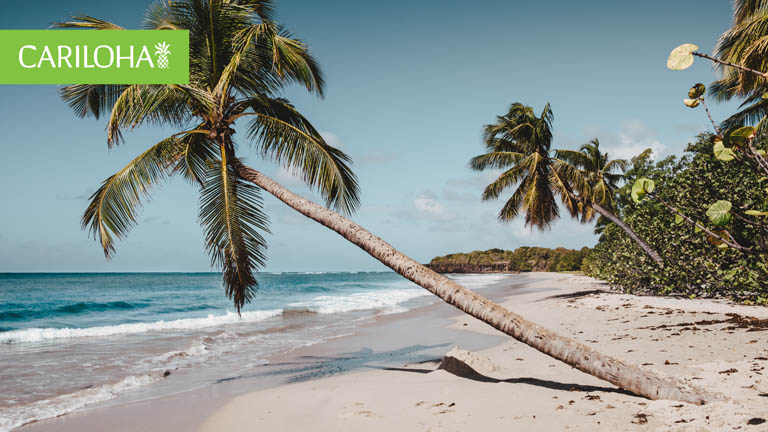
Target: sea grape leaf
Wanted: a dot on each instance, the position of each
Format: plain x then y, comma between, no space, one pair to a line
681,57
722,152
691,103
741,135
641,188
719,213
697,91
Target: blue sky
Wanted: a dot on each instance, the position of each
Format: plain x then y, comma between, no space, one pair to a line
409,86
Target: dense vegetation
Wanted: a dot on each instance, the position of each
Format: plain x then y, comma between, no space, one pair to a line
523,259
707,213
695,265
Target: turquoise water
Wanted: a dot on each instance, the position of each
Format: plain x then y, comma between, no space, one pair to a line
72,340
79,301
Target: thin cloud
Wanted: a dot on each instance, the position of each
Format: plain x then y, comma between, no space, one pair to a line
633,137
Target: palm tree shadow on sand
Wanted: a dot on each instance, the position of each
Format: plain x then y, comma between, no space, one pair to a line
313,367
320,367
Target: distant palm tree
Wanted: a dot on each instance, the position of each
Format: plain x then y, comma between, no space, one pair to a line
239,61
600,173
520,144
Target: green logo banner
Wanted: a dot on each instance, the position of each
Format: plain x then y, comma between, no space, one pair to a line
94,57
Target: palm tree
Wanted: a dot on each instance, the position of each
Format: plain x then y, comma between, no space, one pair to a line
520,144
744,44
239,60
600,173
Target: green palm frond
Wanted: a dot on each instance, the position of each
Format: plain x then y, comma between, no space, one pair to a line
506,180
743,9
539,199
497,159
156,104
264,9
91,99
750,115
282,134
242,42
291,60
114,207
87,22
159,16
568,181
232,216
196,155
576,158
746,44
514,204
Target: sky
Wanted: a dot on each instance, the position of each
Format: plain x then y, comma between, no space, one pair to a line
410,85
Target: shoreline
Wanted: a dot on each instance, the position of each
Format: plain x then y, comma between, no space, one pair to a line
393,381
699,341
172,411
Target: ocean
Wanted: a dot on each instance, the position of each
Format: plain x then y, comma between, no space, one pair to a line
69,340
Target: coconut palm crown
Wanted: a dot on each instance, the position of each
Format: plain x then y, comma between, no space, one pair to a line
519,143
240,60
601,174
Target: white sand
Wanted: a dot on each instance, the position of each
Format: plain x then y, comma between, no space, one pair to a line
530,391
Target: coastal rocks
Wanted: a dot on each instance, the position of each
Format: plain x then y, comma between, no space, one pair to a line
467,364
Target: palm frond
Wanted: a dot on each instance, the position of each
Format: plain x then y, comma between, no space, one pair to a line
743,9
504,181
497,159
113,208
745,44
232,216
576,158
91,99
87,22
511,209
159,16
291,59
197,153
242,42
156,104
284,135
748,116
567,180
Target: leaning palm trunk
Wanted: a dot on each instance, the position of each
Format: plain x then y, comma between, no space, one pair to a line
624,375
631,233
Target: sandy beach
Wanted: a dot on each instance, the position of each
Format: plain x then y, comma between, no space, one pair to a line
387,375
711,344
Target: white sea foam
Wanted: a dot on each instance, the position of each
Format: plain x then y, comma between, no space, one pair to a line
15,417
41,334
473,281
197,348
385,300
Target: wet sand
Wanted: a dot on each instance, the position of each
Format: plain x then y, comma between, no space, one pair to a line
386,376
417,335
714,345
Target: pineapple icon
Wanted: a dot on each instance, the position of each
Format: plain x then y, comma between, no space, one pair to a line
162,52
